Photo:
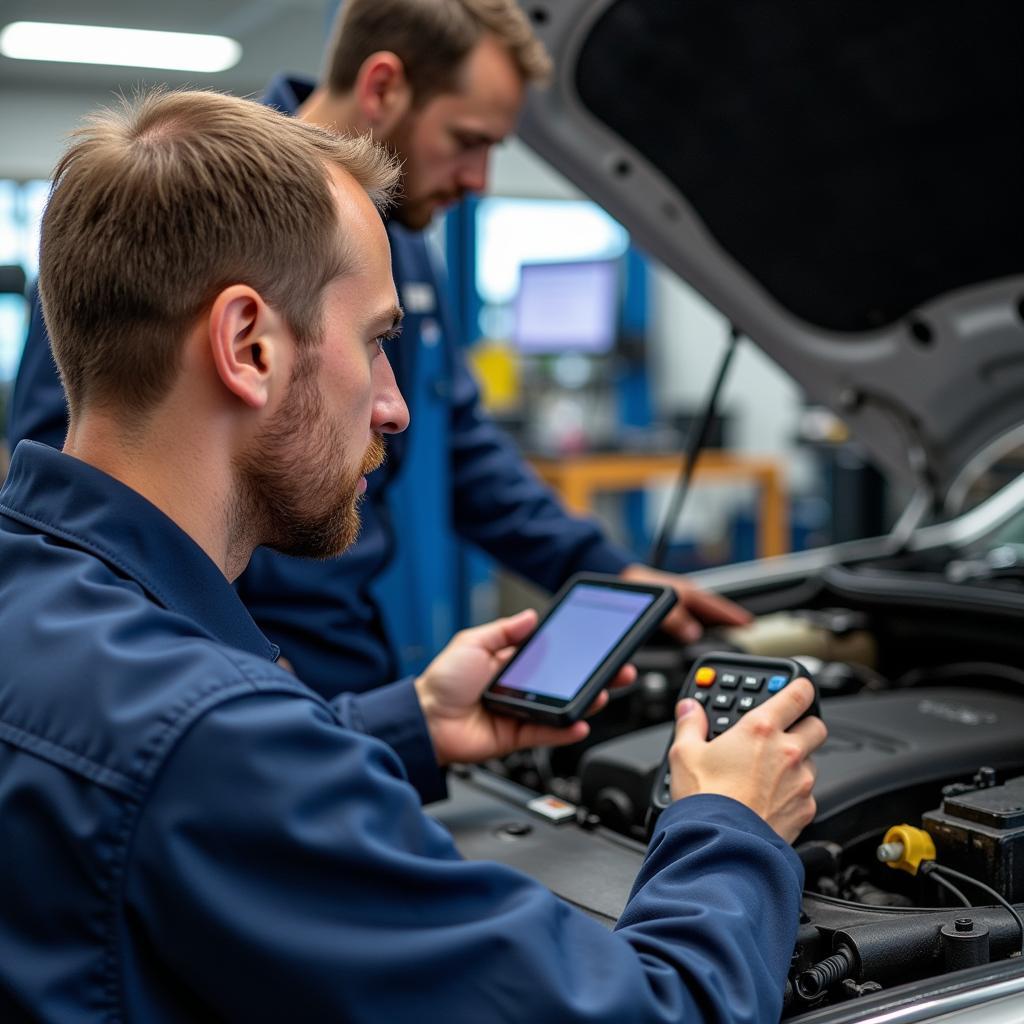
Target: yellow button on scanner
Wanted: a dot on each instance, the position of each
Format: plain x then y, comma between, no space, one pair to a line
705,676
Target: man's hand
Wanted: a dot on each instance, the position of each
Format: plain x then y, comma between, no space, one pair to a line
450,688
693,606
756,761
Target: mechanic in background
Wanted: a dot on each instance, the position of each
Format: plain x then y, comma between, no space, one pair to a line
440,82
187,832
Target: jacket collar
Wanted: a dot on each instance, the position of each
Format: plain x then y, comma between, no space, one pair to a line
64,497
288,92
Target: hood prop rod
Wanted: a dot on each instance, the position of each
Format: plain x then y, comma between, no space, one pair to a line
694,446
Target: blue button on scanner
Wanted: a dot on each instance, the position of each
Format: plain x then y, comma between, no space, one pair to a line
776,683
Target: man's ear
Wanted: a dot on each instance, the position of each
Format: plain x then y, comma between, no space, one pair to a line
382,92
246,343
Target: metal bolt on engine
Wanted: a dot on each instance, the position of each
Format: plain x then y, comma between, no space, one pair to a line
889,852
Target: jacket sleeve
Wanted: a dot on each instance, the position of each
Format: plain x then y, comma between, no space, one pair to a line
306,884
500,504
38,410
393,714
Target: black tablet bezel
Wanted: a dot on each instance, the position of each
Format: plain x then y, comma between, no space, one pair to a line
550,710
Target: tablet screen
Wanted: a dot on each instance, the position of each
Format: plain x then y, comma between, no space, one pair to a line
574,640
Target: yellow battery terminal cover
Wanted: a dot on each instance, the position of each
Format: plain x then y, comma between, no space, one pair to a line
917,846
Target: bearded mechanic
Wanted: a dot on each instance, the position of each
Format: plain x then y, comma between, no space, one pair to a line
440,82
190,833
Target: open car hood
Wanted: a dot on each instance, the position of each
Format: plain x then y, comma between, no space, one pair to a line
845,181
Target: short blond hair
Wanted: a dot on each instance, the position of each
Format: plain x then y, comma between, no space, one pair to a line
160,204
432,37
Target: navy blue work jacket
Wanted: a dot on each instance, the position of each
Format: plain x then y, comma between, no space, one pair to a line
188,833
335,620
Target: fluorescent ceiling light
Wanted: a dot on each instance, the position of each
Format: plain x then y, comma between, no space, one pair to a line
124,47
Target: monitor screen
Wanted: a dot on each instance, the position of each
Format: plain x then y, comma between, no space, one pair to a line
567,307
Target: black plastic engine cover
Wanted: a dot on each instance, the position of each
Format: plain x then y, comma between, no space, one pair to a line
887,757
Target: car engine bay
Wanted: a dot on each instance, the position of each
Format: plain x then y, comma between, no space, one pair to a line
915,859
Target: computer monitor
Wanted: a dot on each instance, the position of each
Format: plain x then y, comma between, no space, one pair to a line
567,307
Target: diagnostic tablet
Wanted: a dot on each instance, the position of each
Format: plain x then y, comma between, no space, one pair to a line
594,624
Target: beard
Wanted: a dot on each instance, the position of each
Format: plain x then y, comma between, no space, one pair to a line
297,491
416,216
412,211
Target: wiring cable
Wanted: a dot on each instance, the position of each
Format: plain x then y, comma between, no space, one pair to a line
950,887
940,869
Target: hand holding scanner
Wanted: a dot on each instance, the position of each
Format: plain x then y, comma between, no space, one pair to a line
729,686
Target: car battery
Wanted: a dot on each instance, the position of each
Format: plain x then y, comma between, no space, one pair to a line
981,833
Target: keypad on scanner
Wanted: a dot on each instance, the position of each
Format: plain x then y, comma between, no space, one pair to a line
728,687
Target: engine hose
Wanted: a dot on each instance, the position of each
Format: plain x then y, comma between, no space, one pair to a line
816,979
